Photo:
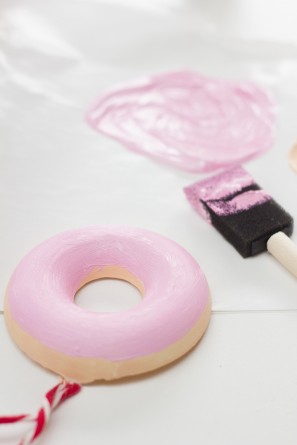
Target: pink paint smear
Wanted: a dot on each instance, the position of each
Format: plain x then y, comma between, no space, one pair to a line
187,120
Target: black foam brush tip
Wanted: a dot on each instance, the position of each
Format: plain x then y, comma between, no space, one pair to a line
240,210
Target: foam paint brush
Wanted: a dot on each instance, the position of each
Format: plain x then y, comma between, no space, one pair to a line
246,215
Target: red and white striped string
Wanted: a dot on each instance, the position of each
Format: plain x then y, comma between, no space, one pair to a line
51,400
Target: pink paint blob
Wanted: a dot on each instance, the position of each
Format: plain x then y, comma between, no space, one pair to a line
187,120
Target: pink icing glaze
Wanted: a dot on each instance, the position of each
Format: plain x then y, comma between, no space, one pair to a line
187,120
42,289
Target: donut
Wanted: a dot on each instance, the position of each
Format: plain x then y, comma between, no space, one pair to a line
83,346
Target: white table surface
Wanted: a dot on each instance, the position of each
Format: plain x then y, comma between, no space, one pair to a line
239,386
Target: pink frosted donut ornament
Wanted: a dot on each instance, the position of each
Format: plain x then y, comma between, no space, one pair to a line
85,346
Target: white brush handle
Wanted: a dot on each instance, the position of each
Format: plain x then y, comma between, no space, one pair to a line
284,250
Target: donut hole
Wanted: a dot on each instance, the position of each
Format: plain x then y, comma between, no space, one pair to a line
109,290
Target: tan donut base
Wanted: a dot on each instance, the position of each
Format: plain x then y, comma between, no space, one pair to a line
87,370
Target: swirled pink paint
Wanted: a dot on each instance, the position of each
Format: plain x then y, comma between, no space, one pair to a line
187,120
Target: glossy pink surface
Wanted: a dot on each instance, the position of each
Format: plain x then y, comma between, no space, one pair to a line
187,120
42,289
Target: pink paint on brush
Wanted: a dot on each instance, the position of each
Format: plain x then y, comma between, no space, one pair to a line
224,193
239,203
187,120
